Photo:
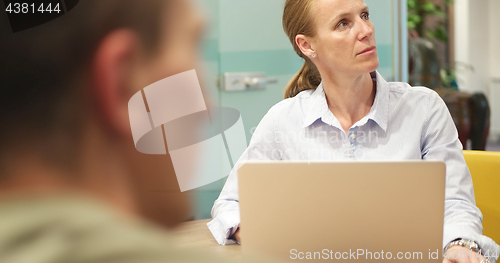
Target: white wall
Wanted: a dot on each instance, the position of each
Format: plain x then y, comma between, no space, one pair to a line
472,43
462,40
477,43
494,22
494,34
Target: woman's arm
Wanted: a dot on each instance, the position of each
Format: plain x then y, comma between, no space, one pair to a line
440,141
226,210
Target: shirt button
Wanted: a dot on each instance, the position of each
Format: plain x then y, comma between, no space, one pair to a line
353,136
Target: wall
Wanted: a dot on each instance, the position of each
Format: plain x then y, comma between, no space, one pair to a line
494,92
494,35
479,45
477,41
462,40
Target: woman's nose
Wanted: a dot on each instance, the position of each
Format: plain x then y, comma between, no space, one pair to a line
365,30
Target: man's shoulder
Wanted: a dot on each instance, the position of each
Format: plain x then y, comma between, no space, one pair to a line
76,230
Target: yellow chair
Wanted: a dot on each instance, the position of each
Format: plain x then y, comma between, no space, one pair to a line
485,171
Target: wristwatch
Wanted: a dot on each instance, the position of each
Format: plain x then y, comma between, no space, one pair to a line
467,243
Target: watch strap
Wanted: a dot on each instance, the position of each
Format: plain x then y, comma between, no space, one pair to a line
467,243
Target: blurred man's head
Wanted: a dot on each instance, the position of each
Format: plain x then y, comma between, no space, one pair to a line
65,87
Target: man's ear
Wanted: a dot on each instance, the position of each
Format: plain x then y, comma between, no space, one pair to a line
304,45
112,78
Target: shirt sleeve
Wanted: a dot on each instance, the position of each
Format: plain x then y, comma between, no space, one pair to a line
226,210
462,218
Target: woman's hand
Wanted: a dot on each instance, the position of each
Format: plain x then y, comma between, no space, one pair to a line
236,235
459,254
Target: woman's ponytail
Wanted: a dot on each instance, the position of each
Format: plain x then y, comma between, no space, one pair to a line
306,78
297,20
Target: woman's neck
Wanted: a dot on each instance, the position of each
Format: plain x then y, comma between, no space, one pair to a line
349,98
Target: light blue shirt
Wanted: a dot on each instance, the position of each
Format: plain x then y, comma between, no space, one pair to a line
404,123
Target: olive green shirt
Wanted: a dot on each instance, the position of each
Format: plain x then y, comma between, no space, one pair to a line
73,229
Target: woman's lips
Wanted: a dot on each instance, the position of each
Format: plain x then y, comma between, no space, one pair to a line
368,51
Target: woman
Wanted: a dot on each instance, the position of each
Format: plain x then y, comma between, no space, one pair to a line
338,107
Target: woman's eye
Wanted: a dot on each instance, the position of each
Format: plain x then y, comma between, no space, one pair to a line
365,16
342,23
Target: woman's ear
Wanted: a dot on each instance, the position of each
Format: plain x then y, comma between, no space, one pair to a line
304,44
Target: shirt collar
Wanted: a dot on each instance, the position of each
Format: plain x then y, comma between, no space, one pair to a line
317,107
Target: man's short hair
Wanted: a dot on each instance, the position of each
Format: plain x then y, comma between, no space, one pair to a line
41,68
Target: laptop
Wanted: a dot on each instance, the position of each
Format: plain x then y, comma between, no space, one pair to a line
361,211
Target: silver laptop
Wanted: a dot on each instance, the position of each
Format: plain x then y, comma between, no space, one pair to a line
363,211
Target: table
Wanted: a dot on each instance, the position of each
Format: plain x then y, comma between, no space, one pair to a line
196,234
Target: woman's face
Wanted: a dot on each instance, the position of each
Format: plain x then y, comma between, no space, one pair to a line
345,37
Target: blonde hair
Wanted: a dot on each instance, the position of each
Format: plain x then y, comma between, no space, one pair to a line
297,20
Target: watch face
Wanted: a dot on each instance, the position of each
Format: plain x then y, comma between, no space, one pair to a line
470,244
465,243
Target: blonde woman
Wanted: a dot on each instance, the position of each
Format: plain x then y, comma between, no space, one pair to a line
337,107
